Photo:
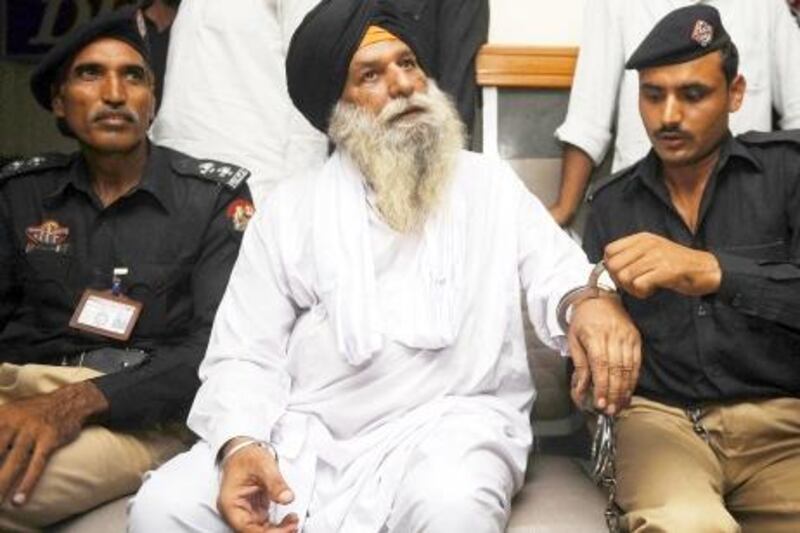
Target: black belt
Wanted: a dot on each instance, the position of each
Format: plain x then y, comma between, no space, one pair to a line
107,360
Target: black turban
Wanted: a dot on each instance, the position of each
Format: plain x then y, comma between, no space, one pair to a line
325,42
124,24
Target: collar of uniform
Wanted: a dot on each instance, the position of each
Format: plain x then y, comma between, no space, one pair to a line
153,182
77,178
648,172
157,177
731,147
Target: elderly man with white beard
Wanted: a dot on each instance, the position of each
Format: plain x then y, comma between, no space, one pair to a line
367,368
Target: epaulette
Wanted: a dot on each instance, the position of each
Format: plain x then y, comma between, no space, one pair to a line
38,163
767,137
230,176
602,183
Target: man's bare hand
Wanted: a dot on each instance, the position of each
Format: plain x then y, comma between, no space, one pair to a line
643,263
251,481
606,351
33,428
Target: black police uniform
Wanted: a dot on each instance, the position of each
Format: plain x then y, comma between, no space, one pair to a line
178,233
743,341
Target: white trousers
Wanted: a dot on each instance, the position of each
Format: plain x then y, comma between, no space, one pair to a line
452,483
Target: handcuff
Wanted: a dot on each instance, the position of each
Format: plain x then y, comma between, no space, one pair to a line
591,290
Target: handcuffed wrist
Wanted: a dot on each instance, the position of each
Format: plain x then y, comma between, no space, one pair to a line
236,448
592,289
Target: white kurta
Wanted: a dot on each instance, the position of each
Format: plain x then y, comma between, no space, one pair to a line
225,94
604,96
345,432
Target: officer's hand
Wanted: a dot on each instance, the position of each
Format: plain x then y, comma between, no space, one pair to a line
643,263
31,429
250,482
606,350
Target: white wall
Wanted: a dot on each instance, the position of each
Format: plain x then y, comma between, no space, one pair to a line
536,22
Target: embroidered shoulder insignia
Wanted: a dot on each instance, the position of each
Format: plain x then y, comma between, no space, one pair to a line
767,137
239,212
226,174
34,164
49,235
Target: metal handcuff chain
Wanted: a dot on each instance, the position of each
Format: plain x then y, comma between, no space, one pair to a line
604,448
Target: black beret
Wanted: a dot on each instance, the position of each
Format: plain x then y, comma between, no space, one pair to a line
125,24
682,35
325,42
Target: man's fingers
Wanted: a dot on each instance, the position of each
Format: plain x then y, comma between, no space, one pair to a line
289,524
623,259
34,471
636,353
616,375
16,462
642,239
580,375
596,353
6,441
628,384
277,488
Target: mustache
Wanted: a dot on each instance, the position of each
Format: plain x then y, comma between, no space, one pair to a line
417,102
123,113
672,132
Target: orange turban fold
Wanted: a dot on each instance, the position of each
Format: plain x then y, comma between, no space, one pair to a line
376,34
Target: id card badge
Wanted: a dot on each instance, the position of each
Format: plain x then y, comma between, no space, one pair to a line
106,313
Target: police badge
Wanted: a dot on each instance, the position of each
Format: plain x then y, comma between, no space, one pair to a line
49,235
703,33
240,211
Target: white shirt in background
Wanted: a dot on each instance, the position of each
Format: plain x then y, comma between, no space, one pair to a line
225,93
604,96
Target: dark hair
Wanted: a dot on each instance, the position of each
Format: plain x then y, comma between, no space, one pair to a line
730,61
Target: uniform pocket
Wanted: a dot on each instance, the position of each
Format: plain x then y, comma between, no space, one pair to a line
764,253
164,290
45,275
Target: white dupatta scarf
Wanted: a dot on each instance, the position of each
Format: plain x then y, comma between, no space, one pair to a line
427,311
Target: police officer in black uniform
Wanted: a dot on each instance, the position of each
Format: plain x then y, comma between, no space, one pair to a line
702,237
112,263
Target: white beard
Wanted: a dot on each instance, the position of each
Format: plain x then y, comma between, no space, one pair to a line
408,160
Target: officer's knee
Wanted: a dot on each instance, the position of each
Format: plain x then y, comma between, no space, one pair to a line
683,515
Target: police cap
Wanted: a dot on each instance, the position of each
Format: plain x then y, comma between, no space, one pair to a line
125,24
682,35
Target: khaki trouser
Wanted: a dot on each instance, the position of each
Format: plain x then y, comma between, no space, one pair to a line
744,476
99,466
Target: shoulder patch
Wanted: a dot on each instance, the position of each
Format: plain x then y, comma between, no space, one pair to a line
32,165
225,174
768,137
602,183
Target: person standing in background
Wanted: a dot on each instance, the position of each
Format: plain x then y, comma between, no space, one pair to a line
453,32
159,15
225,91
603,99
